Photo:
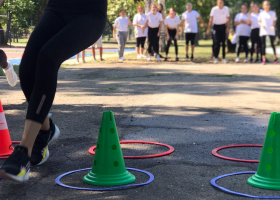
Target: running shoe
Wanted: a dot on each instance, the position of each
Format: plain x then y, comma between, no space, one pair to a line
257,61
224,61
40,152
139,56
143,56
158,58
251,60
149,58
246,60
237,60
263,63
11,75
165,59
177,59
276,61
101,59
187,58
216,60
123,59
192,58
84,61
17,166
120,59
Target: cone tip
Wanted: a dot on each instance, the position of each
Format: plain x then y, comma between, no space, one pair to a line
1,108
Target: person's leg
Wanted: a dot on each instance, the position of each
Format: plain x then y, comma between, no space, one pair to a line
217,42
272,39
263,38
142,43
120,43
125,34
93,51
193,44
156,41
223,40
253,41
167,47
77,57
240,43
84,55
150,41
246,48
187,45
48,61
101,53
137,46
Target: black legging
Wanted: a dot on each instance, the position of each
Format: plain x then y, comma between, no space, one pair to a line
219,37
243,41
3,59
272,39
57,37
256,41
153,40
140,41
172,35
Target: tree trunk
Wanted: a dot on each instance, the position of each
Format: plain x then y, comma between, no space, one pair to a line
162,40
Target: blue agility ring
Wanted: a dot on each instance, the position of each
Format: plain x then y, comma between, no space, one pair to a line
213,183
57,181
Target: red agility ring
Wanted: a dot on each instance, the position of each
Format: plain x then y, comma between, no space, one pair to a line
171,149
7,156
215,152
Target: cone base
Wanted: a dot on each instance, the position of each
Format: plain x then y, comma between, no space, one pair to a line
264,183
6,153
109,180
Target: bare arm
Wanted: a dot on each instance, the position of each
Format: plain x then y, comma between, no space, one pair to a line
228,21
182,25
202,22
210,24
249,19
114,32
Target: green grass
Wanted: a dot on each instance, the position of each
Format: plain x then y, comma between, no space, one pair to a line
16,68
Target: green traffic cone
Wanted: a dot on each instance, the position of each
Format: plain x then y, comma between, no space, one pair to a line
108,166
268,174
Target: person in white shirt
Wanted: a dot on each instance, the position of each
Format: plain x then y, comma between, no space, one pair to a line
220,17
189,20
243,32
172,26
253,20
120,32
154,22
141,31
161,10
97,44
267,21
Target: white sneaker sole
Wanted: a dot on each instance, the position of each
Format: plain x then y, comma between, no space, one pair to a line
11,177
55,136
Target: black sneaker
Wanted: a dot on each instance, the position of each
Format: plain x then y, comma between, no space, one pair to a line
40,152
17,166
187,57
251,60
165,59
257,61
192,58
177,59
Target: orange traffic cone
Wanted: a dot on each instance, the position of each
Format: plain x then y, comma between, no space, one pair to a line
6,147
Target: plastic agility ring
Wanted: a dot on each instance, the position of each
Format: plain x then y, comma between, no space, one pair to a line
213,183
215,152
13,142
57,181
171,149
